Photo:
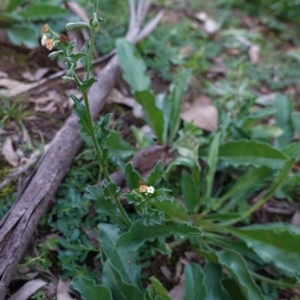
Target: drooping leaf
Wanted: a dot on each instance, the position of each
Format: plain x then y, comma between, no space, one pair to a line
258,154
276,243
124,261
177,90
212,161
237,267
170,207
120,289
139,233
189,191
42,12
194,287
284,108
89,290
154,114
134,68
154,177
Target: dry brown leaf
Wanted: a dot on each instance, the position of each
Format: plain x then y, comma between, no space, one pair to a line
210,25
296,218
186,51
28,289
117,97
9,153
177,293
10,87
62,290
203,114
254,54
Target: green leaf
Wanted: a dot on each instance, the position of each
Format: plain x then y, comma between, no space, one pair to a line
26,34
88,83
120,289
274,243
212,281
105,204
292,150
85,49
119,148
170,207
244,152
237,267
124,261
284,108
12,5
159,290
89,290
139,233
189,191
177,90
194,283
233,290
155,115
42,12
296,122
184,229
80,112
250,181
132,177
134,68
212,162
155,176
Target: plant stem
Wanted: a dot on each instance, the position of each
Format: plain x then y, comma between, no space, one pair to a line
99,151
273,281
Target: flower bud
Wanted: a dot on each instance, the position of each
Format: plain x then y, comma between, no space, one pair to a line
77,25
55,54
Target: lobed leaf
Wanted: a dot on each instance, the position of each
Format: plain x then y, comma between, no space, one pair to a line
89,290
155,176
139,233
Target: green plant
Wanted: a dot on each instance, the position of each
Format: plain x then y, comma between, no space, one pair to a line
21,19
155,221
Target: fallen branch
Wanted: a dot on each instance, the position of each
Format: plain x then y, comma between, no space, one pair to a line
18,225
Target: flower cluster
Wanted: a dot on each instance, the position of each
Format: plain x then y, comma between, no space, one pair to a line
146,189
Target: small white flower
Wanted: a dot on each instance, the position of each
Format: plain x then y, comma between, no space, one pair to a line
44,39
150,189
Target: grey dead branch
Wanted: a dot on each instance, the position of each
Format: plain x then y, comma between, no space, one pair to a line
18,225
